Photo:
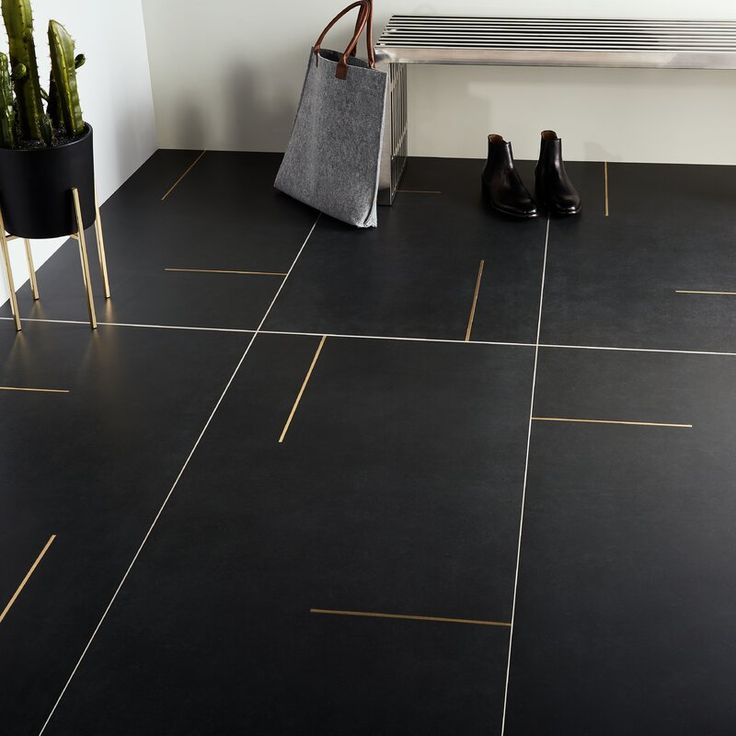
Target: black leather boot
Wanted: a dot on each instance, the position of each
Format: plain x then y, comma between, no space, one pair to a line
502,186
554,190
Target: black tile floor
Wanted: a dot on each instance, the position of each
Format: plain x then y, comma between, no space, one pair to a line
457,475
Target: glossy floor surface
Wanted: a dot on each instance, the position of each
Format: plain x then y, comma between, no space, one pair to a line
456,475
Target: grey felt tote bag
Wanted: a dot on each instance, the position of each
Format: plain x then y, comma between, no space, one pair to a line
334,154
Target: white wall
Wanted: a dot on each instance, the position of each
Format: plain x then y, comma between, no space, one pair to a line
115,91
227,74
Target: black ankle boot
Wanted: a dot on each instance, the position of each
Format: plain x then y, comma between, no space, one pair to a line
554,189
502,186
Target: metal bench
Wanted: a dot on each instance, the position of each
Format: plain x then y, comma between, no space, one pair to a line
644,44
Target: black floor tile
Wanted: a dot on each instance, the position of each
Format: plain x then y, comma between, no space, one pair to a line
613,280
398,486
91,466
224,215
626,616
415,275
396,490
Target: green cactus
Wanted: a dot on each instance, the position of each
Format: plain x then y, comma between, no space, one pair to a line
23,121
53,106
65,111
7,105
34,123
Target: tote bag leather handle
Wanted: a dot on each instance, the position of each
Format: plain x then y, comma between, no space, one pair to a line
369,37
365,18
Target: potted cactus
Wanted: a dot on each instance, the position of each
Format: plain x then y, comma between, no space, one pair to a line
45,145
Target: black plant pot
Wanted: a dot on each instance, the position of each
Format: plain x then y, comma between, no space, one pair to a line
36,188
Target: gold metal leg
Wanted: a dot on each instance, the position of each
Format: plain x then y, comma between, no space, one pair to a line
101,248
85,259
9,274
31,270
75,236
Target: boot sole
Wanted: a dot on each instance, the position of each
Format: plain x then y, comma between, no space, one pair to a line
508,213
554,212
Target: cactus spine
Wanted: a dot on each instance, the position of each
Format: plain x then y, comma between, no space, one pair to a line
34,123
7,106
64,106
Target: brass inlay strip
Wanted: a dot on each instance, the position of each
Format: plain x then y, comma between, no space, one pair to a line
612,421
605,180
27,577
418,191
178,181
469,331
220,270
36,390
707,293
407,617
303,388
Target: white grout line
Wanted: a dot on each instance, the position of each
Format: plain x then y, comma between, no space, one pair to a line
622,422
397,339
639,350
51,321
132,324
177,327
176,481
344,336
221,271
281,332
526,476
408,617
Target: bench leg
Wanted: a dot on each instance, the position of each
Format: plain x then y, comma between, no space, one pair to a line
395,132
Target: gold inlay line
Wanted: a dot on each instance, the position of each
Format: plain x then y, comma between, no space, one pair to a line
605,185
220,270
469,331
36,390
707,293
612,421
178,181
27,577
408,617
418,191
303,388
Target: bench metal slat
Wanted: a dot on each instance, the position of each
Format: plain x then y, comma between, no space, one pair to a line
394,33
556,19
540,45
532,42
612,42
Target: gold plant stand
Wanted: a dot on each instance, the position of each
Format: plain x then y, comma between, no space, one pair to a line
79,236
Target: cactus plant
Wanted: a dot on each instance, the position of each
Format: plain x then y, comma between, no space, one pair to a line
7,106
64,76
32,125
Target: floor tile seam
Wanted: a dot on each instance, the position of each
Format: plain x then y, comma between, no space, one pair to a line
176,482
525,481
238,330
390,338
